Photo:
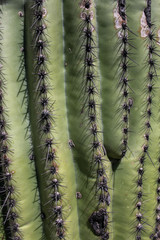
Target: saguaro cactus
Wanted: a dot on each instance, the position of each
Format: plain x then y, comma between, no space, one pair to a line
79,119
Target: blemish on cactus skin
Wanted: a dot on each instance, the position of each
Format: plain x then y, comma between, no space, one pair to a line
158,33
122,9
147,12
44,12
71,144
43,217
21,14
118,20
78,195
86,4
146,20
99,221
144,26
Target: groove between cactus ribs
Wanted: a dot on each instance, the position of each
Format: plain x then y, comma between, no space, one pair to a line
46,166
89,112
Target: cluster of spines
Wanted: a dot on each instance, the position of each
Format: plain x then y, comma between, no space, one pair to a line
151,76
124,89
9,205
46,118
89,106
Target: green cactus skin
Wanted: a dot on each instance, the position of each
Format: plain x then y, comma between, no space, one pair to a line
88,203
63,163
22,182
145,156
124,195
67,45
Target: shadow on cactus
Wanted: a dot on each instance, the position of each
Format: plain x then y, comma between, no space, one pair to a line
79,120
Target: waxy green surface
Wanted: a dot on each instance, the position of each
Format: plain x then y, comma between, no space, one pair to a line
23,182
79,132
125,174
64,64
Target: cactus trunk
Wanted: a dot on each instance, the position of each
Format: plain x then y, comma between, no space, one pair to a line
79,120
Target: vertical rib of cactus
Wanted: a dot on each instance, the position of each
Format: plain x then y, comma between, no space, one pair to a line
64,154
108,66
122,177
117,76
124,48
155,231
155,138
90,105
7,189
123,198
40,120
151,78
19,222
47,113
83,101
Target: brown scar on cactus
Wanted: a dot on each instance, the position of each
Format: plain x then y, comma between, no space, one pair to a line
144,26
78,195
71,144
118,20
21,14
99,221
146,20
158,35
